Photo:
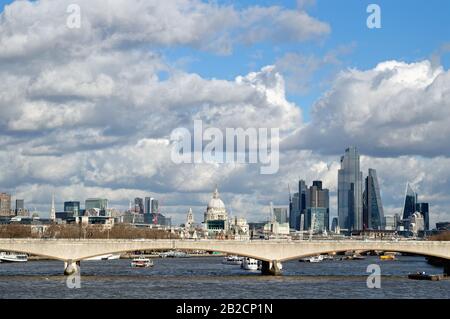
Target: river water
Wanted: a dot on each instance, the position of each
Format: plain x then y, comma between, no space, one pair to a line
207,277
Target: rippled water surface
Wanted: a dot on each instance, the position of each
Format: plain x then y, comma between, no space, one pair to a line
207,277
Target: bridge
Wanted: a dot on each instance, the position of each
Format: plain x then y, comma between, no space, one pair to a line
270,252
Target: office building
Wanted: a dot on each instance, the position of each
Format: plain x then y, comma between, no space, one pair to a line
139,205
154,206
373,214
412,205
416,223
424,209
147,204
299,203
72,207
5,204
335,225
390,222
350,207
20,207
409,206
281,215
317,213
98,204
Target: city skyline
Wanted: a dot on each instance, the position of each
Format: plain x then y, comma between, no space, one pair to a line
308,208
88,112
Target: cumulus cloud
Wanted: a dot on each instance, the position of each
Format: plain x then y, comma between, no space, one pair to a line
396,108
38,28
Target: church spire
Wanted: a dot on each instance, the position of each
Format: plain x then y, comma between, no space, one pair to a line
53,210
216,193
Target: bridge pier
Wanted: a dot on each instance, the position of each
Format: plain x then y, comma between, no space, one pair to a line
71,267
447,267
271,268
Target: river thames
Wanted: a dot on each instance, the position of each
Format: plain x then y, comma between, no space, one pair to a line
207,277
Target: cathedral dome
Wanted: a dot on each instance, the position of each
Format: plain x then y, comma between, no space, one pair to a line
216,202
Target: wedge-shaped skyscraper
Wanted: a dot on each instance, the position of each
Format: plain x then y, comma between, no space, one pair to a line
373,214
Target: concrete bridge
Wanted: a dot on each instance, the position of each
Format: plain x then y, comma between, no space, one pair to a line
270,252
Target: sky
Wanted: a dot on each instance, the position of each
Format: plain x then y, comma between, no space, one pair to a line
88,112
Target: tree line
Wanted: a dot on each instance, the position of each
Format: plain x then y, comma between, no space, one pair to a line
83,232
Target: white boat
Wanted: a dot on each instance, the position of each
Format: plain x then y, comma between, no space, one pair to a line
232,260
313,259
174,254
249,264
141,262
12,257
104,257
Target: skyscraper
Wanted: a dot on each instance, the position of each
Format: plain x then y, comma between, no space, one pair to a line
350,206
373,214
412,205
317,212
409,206
302,204
139,205
147,206
294,214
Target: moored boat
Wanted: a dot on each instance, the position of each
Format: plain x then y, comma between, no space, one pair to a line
232,260
11,257
312,259
387,257
104,257
424,276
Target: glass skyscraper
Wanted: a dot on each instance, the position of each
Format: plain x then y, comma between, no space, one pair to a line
409,206
350,208
298,206
373,214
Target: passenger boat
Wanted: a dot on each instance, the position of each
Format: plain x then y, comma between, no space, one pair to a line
141,262
313,259
249,264
232,260
11,257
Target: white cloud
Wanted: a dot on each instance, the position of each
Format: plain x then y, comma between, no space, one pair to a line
396,108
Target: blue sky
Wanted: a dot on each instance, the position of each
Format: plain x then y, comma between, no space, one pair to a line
411,31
